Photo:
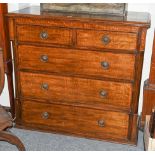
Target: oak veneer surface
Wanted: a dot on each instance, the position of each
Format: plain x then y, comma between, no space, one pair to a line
77,73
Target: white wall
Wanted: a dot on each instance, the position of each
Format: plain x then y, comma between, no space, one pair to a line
149,41
4,99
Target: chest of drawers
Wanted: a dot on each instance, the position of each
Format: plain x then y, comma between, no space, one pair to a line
78,74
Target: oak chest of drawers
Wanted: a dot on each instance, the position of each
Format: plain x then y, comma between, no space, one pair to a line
78,74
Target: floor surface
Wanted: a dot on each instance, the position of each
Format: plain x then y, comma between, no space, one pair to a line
39,141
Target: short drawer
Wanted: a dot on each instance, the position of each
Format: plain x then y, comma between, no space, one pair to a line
92,93
86,122
40,34
106,40
77,62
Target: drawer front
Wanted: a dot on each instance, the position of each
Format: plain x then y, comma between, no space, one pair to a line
93,123
93,93
41,34
106,40
77,62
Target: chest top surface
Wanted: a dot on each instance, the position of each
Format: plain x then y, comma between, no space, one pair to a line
132,18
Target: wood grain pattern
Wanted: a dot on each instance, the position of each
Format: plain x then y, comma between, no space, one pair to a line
143,40
139,19
72,75
76,119
75,90
77,62
55,35
11,29
70,23
93,39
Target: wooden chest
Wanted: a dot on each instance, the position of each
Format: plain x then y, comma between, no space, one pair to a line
149,89
78,74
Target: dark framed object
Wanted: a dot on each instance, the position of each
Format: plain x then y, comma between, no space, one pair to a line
118,9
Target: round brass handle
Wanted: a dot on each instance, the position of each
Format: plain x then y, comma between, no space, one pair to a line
101,123
105,40
103,93
45,115
44,86
43,35
105,64
44,58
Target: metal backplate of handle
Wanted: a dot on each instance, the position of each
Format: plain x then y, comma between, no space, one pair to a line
44,58
44,86
43,35
103,93
45,115
105,40
105,64
101,123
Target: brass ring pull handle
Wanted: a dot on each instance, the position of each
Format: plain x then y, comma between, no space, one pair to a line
101,123
44,86
45,115
105,40
105,64
103,93
44,35
44,58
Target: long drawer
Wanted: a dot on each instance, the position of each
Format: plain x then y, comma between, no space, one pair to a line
87,122
93,93
77,62
106,39
40,34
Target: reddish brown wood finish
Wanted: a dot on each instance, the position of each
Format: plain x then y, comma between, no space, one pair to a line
10,138
70,89
118,40
148,100
77,120
31,33
76,62
152,69
72,69
7,54
149,89
5,123
1,71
